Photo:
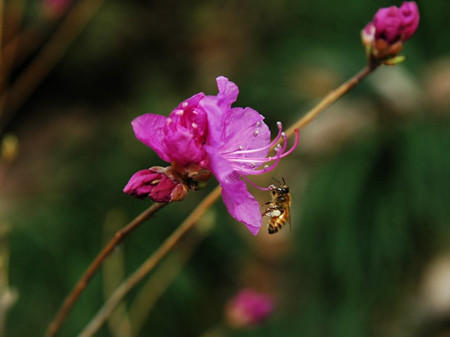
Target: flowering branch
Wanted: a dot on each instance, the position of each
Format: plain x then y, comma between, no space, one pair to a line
207,202
86,277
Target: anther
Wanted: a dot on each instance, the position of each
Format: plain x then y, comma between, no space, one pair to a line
240,148
184,104
179,112
194,125
256,132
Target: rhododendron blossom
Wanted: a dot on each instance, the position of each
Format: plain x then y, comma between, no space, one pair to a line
205,132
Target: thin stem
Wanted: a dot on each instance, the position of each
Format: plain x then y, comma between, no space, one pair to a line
331,98
86,277
58,44
149,264
120,293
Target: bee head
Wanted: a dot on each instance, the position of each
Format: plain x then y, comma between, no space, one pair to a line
283,189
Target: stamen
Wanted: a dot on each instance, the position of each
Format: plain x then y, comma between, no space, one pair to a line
240,148
256,186
179,112
256,132
184,104
248,171
258,124
293,146
194,125
268,146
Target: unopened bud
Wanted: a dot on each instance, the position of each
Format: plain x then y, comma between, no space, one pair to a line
390,27
154,183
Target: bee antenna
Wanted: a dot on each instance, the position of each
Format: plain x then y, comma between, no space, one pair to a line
276,180
284,182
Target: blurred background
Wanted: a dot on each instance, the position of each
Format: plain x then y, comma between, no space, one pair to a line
369,249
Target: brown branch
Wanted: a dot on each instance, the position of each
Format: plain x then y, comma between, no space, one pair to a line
149,264
52,52
86,277
330,98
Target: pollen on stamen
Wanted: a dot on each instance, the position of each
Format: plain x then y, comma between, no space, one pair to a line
266,166
184,104
194,125
179,112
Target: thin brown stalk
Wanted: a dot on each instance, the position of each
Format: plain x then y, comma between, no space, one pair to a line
120,293
330,98
149,264
86,277
79,16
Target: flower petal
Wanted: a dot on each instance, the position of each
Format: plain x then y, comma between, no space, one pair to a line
242,205
183,147
149,129
228,91
244,129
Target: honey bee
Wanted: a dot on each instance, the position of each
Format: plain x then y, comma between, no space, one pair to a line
279,209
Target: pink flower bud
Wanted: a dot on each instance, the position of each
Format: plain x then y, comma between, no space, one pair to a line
390,27
249,308
393,24
411,18
154,184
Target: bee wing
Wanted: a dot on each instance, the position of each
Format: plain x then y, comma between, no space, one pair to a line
289,221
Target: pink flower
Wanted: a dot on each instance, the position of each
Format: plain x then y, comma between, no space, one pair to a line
390,27
249,308
232,143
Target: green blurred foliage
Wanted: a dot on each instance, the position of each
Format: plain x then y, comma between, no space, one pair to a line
373,214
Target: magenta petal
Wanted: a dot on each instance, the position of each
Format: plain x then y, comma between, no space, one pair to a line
149,129
239,202
245,129
228,91
242,205
411,18
183,147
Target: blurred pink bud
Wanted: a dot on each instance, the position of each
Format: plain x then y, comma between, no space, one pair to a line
155,184
411,18
249,308
390,27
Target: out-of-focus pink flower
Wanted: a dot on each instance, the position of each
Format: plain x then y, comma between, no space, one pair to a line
154,183
232,143
390,27
249,308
